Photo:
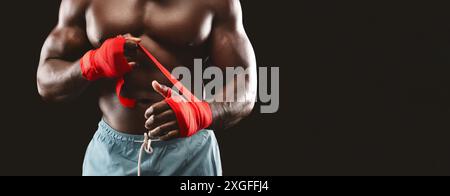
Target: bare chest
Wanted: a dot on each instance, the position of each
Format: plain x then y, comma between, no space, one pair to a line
174,22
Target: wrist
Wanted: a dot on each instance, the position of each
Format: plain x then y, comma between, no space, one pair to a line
217,111
208,116
88,67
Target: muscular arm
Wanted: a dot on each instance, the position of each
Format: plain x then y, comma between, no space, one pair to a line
231,48
59,76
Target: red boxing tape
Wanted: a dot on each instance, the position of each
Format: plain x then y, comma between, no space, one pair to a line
106,62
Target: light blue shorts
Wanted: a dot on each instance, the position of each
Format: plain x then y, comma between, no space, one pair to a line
111,153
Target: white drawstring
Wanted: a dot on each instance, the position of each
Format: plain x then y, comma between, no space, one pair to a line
147,147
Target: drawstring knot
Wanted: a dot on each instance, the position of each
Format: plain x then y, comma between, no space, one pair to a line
145,147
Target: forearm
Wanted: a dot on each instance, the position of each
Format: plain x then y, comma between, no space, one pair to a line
60,80
227,114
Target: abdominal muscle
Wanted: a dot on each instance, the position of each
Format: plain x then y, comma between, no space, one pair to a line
128,120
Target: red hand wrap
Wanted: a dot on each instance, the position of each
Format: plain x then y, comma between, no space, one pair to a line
192,115
106,62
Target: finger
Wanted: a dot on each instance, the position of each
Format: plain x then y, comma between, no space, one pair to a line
131,38
164,129
132,64
161,89
171,135
156,109
134,39
159,119
166,92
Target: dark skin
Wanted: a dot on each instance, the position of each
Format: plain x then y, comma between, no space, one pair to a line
175,31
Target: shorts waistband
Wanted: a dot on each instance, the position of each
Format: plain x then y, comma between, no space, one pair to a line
106,129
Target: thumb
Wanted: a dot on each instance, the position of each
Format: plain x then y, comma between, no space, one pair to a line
161,89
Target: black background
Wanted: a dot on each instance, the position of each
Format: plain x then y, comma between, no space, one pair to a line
364,91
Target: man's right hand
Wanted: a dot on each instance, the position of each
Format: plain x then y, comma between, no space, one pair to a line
113,59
